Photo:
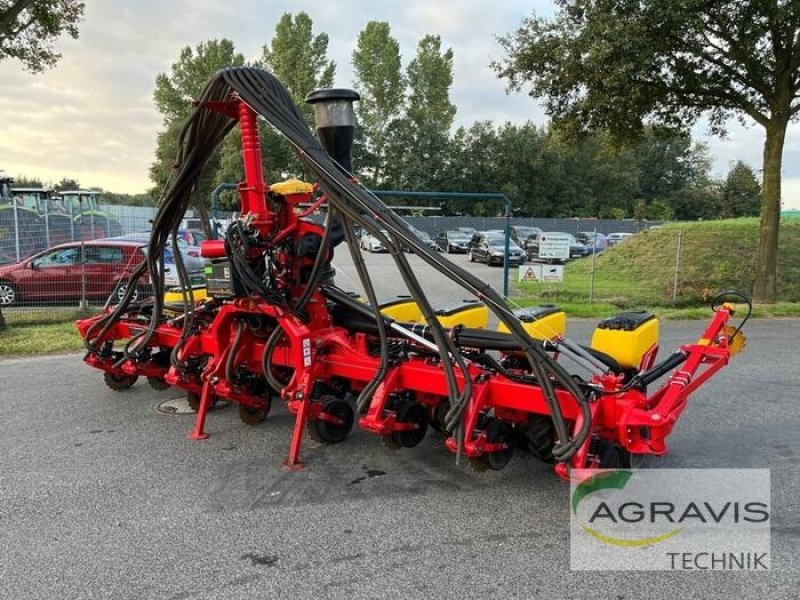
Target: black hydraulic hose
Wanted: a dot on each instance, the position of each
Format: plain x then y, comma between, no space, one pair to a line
192,155
365,396
234,348
445,347
262,92
266,359
187,298
675,359
311,285
316,270
338,188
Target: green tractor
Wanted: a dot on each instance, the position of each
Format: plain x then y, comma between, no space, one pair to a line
35,218
58,227
20,226
92,221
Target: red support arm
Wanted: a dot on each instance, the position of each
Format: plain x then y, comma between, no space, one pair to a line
253,190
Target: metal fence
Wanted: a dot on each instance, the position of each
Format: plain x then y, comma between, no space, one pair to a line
663,267
53,262
51,265
433,224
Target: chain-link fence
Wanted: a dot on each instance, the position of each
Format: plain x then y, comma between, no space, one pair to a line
61,258
53,264
663,267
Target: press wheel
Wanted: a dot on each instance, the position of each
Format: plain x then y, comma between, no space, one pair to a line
327,432
496,432
119,382
411,412
252,415
193,400
611,455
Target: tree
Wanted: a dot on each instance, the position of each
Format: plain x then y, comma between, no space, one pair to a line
23,181
420,141
67,184
615,63
173,96
298,58
741,192
28,29
379,80
674,176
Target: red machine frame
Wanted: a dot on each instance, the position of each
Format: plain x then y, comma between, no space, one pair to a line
322,362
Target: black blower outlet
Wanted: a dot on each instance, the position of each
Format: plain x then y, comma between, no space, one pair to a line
335,121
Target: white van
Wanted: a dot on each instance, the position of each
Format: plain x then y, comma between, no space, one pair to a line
615,238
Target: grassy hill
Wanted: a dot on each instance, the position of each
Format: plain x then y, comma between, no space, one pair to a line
707,256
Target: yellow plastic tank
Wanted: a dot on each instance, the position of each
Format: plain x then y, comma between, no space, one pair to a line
175,296
401,308
467,313
541,322
626,337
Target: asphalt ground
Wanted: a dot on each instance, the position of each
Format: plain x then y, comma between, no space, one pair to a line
103,496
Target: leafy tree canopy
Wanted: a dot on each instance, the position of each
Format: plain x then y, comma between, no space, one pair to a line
29,28
299,59
379,80
173,95
741,192
419,142
612,64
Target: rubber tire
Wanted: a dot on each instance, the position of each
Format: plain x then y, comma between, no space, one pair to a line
471,257
539,437
612,455
8,294
122,288
119,383
331,433
253,416
411,412
437,418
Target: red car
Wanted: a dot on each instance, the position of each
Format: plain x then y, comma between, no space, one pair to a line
57,273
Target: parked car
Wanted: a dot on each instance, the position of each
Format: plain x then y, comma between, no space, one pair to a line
595,241
190,254
615,238
372,244
195,225
193,237
521,233
490,248
453,241
424,237
60,272
468,230
577,249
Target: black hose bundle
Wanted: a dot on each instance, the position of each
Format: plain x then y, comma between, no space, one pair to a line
262,92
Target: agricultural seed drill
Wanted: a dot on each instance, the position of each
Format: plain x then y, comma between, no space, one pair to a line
274,324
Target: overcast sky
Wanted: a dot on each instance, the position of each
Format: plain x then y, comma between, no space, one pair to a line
93,118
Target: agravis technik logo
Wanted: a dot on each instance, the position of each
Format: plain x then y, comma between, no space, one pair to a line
653,519
615,479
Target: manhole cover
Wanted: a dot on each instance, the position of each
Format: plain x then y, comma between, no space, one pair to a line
180,406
